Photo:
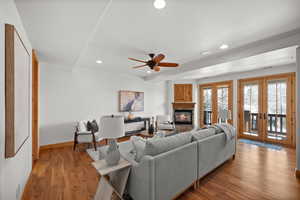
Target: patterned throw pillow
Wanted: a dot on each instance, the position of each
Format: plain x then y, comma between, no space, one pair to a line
92,126
95,126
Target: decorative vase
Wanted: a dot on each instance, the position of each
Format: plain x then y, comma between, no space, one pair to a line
151,129
113,154
130,116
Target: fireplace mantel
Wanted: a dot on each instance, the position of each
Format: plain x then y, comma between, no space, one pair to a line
181,105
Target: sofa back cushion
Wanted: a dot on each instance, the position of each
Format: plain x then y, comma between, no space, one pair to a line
155,147
201,134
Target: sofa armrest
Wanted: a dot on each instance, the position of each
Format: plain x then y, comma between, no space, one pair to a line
175,171
141,181
213,151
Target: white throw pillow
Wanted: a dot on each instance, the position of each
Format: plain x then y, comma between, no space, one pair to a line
138,144
82,126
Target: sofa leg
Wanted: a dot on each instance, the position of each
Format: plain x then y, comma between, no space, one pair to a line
195,185
233,157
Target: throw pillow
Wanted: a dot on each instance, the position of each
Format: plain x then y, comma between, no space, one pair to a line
89,126
158,146
82,126
138,144
201,134
94,126
217,129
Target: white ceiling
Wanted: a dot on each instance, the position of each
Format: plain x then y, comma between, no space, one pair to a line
76,33
278,58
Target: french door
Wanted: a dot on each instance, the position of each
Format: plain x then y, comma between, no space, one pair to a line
267,108
215,101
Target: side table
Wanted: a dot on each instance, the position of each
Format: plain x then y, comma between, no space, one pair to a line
113,179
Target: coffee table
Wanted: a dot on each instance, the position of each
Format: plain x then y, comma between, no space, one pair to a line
165,133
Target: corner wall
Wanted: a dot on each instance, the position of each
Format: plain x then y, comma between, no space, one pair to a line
67,96
15,171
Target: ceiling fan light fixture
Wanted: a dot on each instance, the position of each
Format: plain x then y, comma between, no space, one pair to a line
159,4
156,68
224,46
206,53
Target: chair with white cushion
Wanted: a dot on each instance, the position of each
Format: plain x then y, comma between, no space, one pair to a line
164,122
83,135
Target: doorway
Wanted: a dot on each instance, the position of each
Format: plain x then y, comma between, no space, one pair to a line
214,100
267,109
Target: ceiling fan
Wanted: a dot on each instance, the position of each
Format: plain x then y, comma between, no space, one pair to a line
155,62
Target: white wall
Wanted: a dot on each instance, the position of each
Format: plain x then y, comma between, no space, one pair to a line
67,96
15,171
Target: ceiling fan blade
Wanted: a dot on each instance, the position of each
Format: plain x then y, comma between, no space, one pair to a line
165,64
139,66
137,60
159,58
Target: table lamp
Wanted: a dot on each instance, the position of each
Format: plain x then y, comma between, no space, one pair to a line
111,128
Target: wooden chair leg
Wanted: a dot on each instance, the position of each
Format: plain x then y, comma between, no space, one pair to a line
94,141
75,141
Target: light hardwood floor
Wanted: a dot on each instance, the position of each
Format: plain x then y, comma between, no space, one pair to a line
256,173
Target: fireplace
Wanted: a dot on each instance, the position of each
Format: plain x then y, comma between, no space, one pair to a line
183,116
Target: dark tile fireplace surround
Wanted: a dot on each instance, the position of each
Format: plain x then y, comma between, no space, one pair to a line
183,113
183,116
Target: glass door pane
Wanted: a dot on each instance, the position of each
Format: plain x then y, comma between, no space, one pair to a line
223,111
207,107
251,109
277,109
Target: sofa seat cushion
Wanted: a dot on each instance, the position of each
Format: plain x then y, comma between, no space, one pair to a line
155,147
201,134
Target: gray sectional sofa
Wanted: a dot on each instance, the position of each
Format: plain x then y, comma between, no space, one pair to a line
175,163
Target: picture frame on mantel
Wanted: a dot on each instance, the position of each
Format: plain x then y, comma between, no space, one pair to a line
17,92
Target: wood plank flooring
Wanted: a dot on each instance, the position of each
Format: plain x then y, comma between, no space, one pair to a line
256,173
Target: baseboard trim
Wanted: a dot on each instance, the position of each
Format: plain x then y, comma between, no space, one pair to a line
58,145
297,173
66,144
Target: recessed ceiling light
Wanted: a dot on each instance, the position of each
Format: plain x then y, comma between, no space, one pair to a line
224,46
99,61
149,72
159,4
206,53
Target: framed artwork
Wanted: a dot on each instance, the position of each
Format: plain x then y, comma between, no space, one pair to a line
131,101
17,92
